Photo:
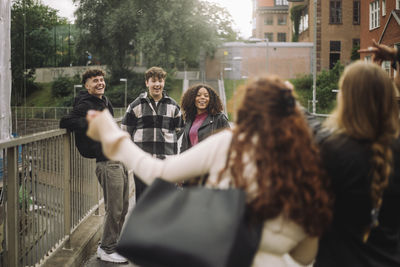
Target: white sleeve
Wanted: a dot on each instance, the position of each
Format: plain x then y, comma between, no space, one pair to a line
208,155
196,161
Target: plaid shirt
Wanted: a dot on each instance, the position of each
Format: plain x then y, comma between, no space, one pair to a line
154,128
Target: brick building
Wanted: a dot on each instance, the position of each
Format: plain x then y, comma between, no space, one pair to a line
240,60
271,20
338,28
380,21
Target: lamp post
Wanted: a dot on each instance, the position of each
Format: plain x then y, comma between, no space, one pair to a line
76,86
126,88
267,48
314,101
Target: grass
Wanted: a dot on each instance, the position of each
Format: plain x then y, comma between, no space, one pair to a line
230,87
175,89
42,97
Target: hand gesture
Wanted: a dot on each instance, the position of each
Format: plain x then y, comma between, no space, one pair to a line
380,52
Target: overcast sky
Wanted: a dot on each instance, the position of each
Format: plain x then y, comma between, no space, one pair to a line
239,9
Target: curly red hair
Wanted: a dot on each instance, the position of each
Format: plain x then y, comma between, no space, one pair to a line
289,175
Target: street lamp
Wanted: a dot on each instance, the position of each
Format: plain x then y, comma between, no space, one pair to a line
126,87
76,86
314,95
267,48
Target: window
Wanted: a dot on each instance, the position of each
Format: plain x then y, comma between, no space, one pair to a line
281,37
397,4
303,21
356,12
374,19
281,19
269,20
356,42
386,66
269,36
281,2
383,7
335,12
334,55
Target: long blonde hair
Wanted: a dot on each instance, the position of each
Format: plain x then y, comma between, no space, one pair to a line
367,110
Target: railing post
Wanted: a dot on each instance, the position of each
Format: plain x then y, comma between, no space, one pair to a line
67,188
12,207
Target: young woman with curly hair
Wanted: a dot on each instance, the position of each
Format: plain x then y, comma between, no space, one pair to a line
361,153
270,154
202,111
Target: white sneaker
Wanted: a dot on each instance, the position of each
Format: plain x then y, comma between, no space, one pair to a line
100,252
113,257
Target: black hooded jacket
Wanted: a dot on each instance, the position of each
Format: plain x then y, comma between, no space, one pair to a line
76,122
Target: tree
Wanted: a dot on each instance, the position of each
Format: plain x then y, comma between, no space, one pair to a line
182,30
31,42
168,32
107,29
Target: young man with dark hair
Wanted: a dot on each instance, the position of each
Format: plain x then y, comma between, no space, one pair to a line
112,175
153,120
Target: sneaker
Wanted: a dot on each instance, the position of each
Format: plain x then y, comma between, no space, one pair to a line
100,252
113,257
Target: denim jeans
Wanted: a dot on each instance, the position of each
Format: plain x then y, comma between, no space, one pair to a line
113,178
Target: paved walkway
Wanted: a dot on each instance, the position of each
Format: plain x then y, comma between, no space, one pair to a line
95,262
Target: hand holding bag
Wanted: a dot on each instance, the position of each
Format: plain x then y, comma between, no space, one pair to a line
191,227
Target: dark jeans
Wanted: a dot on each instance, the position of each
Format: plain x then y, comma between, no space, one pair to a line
139,187
113,178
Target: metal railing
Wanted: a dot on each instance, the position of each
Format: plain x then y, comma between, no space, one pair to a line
47,190
20,112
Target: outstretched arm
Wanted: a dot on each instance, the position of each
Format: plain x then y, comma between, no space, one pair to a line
381,52
117,145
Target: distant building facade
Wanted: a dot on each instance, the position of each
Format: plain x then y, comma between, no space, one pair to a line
380,21
271,20
240,60
338,28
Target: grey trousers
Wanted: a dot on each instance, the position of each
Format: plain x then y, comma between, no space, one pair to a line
113,178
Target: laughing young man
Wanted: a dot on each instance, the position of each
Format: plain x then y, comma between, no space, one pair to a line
153,120
112,175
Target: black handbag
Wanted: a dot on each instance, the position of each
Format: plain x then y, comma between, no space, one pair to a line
191,227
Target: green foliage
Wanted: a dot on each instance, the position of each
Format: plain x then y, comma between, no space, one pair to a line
295,15
354,53
115,89
327,81
63,86
31,43
169,33
303,85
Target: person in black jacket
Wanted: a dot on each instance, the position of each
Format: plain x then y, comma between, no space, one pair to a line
112,175
360,149
202,111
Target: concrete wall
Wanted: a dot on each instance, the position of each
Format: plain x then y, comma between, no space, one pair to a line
45,75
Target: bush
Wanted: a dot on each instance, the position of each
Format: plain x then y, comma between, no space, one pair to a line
303,88
327,81
62,86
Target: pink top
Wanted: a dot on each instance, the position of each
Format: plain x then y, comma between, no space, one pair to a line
193,133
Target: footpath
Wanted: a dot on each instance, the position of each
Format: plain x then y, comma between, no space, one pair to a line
84,241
